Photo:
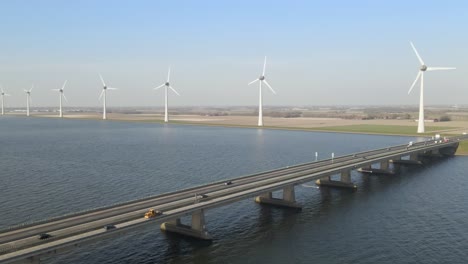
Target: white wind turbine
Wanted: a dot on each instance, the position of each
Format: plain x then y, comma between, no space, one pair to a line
61,94
103,95
28,99
3,99
420,75
167,85
262,80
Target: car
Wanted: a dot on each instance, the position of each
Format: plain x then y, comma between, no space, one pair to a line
44,236
109,227
199,196
152,213
228,183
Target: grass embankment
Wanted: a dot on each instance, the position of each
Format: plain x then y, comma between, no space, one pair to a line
462,148
396,130
382,129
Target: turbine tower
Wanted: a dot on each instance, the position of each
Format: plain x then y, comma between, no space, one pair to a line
423,68
61,94
28,99
3,99
103,95
167,85
262,80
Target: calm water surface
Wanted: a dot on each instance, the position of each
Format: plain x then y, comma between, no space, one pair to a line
52,167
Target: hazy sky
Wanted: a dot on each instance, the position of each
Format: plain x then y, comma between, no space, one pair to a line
319,52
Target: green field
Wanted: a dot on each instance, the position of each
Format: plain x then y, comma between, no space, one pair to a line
462,148
382,129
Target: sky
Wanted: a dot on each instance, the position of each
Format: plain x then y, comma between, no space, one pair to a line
318,52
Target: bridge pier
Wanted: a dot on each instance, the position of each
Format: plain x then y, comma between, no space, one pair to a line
435,153
288,200
197,229
413,160
344,182
31,260
384,169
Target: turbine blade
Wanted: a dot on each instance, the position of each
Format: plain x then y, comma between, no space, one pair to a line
169,74
64,97
254,81
160,86
112,88
63,87
440,68
264,67
7,94
174,90
32,86
415,81
102,80
26,90
417,54
102,93
57,90
273,91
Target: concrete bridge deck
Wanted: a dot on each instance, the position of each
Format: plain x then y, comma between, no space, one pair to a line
21,243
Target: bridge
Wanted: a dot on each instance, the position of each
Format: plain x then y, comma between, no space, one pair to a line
22,245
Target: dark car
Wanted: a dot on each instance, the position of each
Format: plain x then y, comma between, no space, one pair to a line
109,227
228,183
44,236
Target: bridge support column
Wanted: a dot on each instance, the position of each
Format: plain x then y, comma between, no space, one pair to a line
289,198
344,182
435,153
384,169
414,157
384,165
413,160
197,229
345,176
268,195
32,260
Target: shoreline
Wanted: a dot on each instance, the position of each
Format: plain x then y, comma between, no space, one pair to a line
227,125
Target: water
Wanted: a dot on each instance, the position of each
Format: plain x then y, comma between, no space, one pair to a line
52,167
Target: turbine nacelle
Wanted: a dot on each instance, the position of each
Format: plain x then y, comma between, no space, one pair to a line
423,68
167,84
261,78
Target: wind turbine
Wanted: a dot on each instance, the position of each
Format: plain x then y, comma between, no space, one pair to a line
61,94
3,99
420,75
167,85
262,80
103,94
28,99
